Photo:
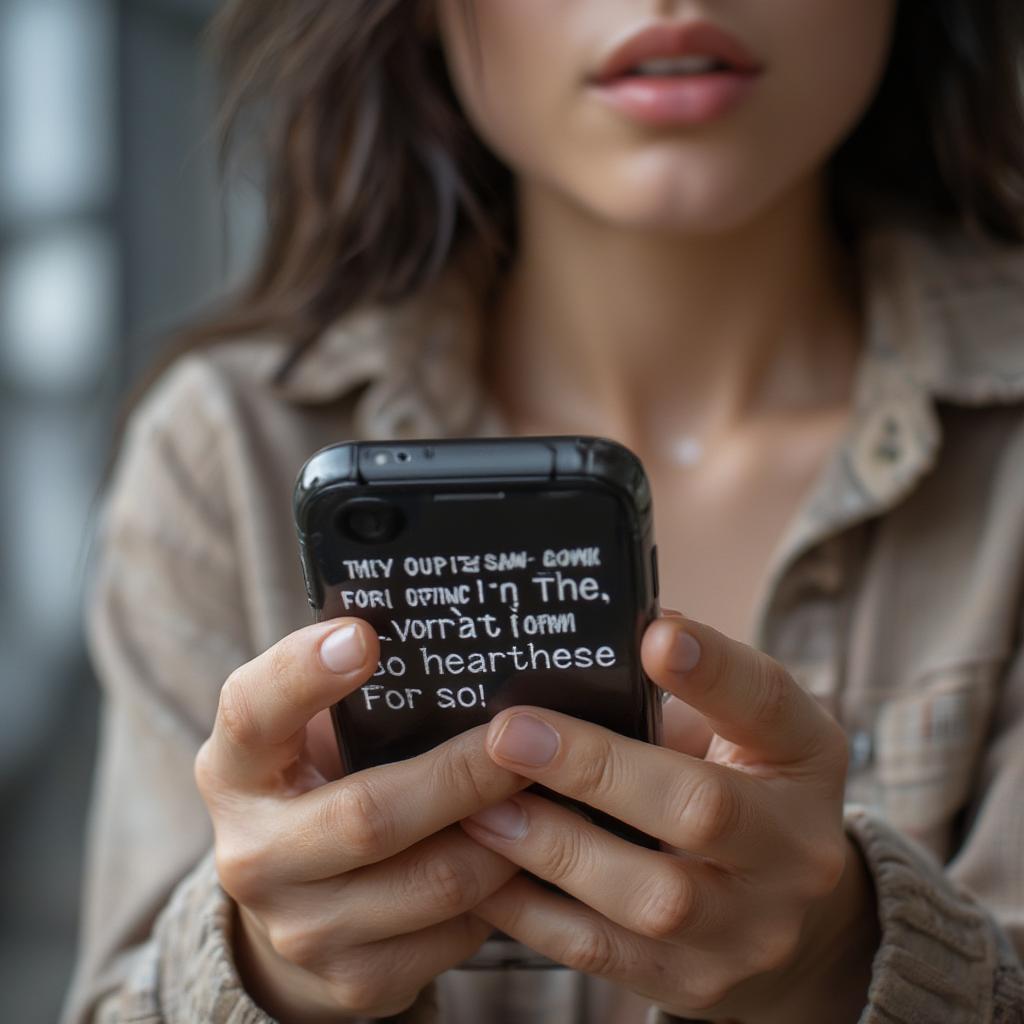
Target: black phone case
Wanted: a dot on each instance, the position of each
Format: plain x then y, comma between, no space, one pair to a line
476,470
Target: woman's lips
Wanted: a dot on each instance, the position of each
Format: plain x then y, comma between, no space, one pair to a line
676,99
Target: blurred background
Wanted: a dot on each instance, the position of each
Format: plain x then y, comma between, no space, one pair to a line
114,230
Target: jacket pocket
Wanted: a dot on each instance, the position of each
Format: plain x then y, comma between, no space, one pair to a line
927,745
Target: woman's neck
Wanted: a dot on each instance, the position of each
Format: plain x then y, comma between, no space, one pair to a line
638,334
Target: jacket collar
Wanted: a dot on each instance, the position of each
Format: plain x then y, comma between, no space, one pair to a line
413,365
944,323
955,304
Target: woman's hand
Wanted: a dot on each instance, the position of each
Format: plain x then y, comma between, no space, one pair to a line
353,894
758,908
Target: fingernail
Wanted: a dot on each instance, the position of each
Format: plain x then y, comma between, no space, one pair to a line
343,650
684,653
506,820
526,740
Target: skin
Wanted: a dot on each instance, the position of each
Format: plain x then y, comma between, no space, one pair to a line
676,282
668,282
753,909
351,893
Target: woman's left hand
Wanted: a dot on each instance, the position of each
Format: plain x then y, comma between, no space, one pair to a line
758,907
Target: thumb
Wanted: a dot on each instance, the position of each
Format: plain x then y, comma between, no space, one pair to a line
684,729
747,697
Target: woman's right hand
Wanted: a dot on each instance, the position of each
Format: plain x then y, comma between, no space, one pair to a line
352,894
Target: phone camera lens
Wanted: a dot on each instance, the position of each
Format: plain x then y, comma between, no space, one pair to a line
402,456
371,522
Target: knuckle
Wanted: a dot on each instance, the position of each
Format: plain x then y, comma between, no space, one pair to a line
354,812
450,889
825,863
288,676
590,950
454,771
709,808
707,991
203,771
235,712
836,746
367,995
595,771
666,906
774,950
564,855
281,662
241,870
297,943
771,692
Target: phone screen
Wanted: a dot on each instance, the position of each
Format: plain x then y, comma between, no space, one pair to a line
481,602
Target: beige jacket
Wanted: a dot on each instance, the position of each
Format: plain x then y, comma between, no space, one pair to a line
895,597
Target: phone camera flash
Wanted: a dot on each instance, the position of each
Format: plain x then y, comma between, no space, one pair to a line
381,459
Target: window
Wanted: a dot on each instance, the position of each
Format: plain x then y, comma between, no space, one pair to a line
113,230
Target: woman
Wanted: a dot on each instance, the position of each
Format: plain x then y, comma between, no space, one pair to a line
772,247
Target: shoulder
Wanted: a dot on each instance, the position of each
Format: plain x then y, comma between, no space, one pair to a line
958,300
218,408
213,448
168,489
199,507
210,436
967,296
173,439
198,394
168,616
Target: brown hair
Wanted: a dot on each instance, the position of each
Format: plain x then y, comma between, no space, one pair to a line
374,174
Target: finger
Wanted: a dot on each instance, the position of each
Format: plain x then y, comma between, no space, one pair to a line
264,706
381,978
572,934
747,697
322,745
421,956
437,880
694,805
373,814
657,895
683,729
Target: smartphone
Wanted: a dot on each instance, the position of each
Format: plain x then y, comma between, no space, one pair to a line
497,572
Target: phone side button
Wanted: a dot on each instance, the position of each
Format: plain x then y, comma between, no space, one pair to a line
312,591
654,570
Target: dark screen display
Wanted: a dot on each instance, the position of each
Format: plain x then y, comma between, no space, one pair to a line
485,601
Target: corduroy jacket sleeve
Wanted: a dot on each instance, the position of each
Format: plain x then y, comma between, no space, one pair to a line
164,633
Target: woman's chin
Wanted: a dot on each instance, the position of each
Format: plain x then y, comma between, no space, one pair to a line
707,218
690,199
676,201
